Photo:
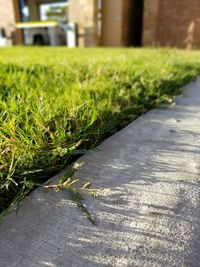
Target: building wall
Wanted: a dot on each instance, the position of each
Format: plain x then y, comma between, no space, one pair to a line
172,23
7,19
82,12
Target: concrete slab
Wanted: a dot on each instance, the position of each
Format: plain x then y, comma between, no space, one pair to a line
150,214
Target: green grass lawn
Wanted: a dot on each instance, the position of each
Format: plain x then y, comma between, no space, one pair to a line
57,103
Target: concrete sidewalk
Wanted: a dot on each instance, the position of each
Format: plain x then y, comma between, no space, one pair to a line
149,214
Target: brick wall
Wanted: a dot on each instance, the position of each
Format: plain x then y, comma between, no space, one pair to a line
173,23
7,19
82,12
179,23
150,22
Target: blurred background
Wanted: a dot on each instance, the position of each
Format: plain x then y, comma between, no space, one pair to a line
110,23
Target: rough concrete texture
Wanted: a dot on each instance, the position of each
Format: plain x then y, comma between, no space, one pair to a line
148,216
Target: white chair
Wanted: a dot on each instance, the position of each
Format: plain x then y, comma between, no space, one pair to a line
3,39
